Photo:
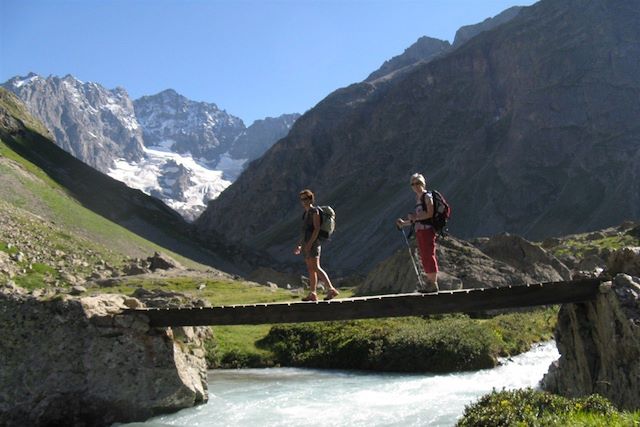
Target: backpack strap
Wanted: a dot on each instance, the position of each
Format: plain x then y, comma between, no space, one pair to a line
424,208
309,212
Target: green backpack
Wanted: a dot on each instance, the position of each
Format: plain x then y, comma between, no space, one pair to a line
327,222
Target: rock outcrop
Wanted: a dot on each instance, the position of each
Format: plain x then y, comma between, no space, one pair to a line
70,361
599,344
163,262
524,256
625,260
504,260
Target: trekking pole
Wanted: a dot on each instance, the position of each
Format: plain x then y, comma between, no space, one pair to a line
413,261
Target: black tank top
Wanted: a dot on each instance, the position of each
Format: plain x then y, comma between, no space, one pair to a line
307,222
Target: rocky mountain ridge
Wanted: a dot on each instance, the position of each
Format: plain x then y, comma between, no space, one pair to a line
423,50
199,129
529,128
426,48
94,124
182,151
467,32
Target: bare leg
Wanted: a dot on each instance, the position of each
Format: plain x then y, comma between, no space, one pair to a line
322,275
312,268
324,278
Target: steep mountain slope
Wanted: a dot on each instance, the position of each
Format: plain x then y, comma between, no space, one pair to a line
531,128
47,188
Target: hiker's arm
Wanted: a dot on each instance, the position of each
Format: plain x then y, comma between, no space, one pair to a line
298,247
400,222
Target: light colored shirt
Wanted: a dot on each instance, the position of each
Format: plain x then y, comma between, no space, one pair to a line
419,209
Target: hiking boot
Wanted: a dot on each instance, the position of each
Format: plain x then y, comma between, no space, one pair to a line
429,288
311,297
331,294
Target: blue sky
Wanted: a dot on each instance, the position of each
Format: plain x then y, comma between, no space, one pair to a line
252,58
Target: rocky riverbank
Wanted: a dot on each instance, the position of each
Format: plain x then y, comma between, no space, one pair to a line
79,361
599,341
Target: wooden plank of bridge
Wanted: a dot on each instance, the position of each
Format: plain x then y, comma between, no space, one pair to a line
398,305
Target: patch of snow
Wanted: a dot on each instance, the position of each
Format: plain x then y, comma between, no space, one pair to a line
206,184
29,80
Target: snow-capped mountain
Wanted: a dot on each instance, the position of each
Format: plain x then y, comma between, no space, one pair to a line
181,151
171,120
94,124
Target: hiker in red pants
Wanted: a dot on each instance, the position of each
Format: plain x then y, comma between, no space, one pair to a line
425,233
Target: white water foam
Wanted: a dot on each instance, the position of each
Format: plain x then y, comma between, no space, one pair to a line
309,397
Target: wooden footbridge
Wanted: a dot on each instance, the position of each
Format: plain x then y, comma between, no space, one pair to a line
397,305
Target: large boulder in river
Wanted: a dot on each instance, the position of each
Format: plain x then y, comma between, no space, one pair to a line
599,345
80,361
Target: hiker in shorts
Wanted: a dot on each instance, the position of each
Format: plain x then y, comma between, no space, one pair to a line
309,246
425,233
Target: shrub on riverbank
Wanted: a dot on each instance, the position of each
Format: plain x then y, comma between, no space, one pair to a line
234,347
535,408
444,344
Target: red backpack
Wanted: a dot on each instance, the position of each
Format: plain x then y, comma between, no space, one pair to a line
441,212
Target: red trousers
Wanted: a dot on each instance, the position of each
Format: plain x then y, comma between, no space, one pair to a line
427,245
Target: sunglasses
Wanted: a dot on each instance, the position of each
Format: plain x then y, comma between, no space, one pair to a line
304,199
416,183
